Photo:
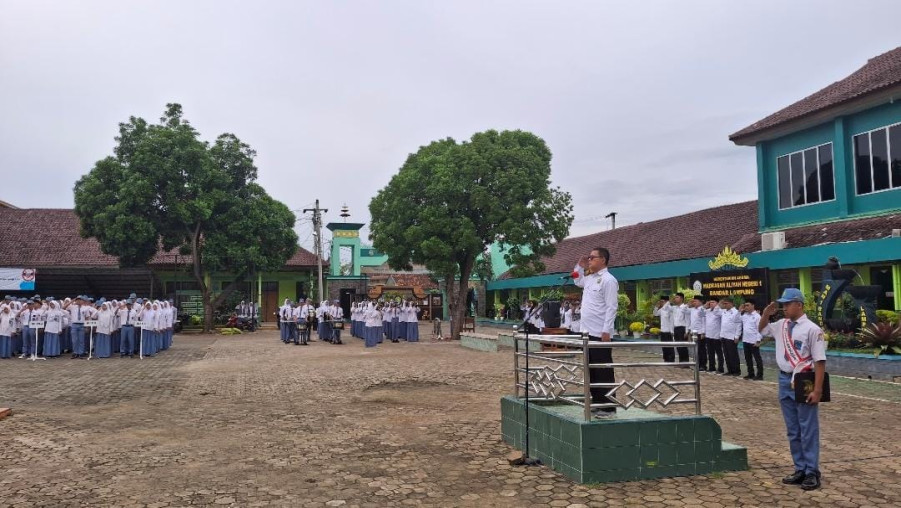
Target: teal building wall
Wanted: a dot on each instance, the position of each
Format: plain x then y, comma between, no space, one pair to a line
847,204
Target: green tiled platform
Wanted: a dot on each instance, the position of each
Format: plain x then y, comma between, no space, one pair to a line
635,445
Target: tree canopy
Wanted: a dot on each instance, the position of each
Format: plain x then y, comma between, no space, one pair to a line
164,187
451,200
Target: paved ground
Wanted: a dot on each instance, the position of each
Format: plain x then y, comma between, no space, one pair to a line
247,421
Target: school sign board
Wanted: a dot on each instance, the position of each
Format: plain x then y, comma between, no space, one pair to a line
17,279
751,284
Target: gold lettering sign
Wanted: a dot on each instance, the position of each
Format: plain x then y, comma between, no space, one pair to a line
726,258
346,234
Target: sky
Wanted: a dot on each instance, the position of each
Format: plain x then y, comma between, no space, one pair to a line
635,99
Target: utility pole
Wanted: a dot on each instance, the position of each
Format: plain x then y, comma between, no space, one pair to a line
317,231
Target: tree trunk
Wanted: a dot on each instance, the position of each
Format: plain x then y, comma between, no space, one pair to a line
457,306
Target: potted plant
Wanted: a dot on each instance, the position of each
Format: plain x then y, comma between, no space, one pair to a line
655,332
637,327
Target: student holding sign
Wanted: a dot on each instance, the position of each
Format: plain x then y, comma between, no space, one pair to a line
800,353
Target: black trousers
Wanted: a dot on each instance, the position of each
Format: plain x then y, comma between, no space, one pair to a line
730,349
601,355
752,352
702,352
714,353
669,354
679,335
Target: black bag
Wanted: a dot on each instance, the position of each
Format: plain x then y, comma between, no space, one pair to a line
804,383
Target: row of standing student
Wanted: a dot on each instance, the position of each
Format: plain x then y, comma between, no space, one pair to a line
297,319
50,328
375,322
717,326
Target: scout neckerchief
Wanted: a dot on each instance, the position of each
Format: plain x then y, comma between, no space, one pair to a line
792,355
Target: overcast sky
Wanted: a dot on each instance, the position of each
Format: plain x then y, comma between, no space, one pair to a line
635,99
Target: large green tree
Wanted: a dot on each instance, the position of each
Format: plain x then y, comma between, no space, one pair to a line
450,201
165,188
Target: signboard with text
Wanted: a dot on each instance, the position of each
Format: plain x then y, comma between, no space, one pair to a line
751,284
17,279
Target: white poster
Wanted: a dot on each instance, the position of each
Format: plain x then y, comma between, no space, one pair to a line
17,279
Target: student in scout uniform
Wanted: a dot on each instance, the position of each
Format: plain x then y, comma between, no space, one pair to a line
713,318
730,330
800,347
698,329
750,340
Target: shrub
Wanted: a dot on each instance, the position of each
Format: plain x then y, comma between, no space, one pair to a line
887,316
655,331
883,337
844,341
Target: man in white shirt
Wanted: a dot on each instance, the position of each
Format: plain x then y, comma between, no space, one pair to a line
713,315
730,330
600,292
681,320
800,347
750,340
697,328
664,312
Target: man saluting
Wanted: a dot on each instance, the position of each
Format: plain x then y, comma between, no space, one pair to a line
799,348
599,302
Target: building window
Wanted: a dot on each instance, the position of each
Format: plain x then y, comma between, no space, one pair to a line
787,279
805,177
660,286
877,160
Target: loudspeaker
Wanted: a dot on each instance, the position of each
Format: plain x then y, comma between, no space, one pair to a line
550,314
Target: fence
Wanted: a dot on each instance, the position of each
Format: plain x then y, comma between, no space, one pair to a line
564,377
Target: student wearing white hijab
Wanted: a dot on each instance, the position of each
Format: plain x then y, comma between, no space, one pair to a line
7,329
53,329
103,339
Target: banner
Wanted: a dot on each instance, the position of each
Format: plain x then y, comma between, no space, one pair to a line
17,279
752,284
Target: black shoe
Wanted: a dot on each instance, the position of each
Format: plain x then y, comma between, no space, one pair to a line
795,478
74,356
811,482
702,369
758,378
748,377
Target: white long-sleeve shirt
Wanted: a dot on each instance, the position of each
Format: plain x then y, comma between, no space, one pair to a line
666,317
712,321
697,320
749,322
730,328
600,292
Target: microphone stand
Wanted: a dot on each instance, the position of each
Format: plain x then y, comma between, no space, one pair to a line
526,460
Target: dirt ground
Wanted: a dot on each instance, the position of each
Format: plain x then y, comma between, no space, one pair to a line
248,421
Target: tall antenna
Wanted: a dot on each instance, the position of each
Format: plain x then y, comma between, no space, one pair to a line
345,212
612,217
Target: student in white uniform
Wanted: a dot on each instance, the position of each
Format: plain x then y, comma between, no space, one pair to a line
730,329
664,311
750,340
697,330
713,315
800,347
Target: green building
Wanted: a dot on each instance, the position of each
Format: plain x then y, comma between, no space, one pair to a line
829,184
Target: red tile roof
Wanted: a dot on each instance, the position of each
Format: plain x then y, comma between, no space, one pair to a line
879,73
693,235
704,234
44,237
855,230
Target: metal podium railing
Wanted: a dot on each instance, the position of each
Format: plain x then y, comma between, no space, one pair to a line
564,377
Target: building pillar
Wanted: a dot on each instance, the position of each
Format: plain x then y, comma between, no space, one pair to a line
896,285
842,168
805,281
